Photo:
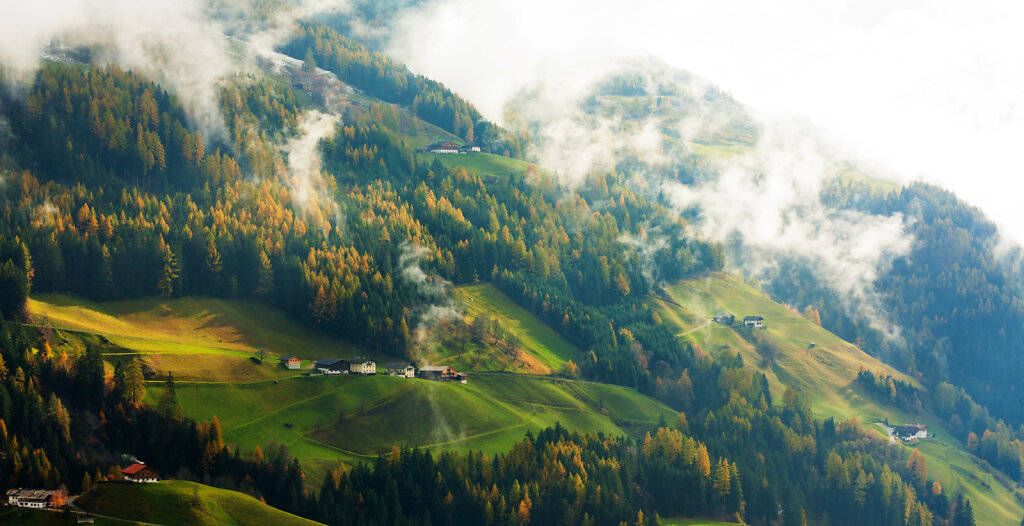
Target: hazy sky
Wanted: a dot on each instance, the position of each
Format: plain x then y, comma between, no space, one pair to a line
931,90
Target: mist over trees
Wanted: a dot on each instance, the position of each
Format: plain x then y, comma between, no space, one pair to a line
110,194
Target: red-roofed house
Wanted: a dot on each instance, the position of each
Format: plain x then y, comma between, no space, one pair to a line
141,473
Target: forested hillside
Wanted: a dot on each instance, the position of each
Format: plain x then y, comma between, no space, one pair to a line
109,193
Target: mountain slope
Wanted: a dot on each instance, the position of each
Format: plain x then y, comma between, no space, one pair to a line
827,373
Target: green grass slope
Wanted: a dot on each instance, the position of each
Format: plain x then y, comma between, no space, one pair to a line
832,362
332,419
26,517
481,163
541,350
827,373
200,339
173,503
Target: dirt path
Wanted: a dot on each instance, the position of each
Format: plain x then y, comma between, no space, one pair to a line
695,328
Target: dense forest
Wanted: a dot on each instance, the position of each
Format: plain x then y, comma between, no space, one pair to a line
110,194
953,262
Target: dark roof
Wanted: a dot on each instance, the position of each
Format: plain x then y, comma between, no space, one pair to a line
30,494
753,318
287,358
399,365
327,362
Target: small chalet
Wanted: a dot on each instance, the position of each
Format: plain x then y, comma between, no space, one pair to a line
756,322
441,373
332,366
910,432
37,498
362,366
140,473
724,318
445,148
403,369
291,362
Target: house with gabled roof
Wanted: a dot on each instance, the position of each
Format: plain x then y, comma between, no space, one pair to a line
291,362
403,369
37,498
362,366
140,473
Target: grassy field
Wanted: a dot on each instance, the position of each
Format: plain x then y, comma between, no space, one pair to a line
541,349
198,339
173,503
327,420
826,373
26,517
481,163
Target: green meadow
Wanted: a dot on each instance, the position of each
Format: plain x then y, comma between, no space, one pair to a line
179,502
826,373
198,339
541,349
324,420
481,163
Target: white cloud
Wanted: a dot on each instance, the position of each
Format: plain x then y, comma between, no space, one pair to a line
930,90
175,43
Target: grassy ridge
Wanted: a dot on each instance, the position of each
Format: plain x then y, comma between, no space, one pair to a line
200,322
827,373
542,350
326,420
175,502
199,339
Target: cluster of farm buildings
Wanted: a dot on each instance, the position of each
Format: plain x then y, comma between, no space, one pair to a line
57,498
450,148
755,322
364,367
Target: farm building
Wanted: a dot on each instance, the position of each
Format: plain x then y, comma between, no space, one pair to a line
37,498
403,369
447,147
910,432
725,318
140,473
362,366
332,366
441,373
291,362
756,322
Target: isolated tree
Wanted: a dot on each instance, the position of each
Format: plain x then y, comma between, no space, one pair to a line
309,62
134,386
